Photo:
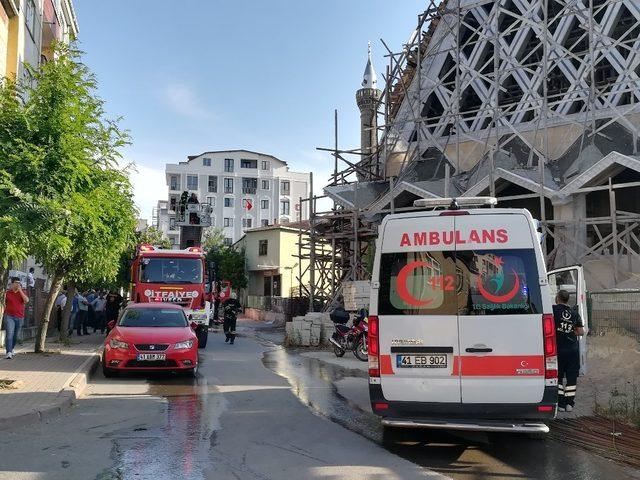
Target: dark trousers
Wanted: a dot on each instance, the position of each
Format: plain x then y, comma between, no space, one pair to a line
216,309
81,322
100,322
569,369
59,317
229,327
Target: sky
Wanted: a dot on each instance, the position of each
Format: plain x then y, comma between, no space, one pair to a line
199,75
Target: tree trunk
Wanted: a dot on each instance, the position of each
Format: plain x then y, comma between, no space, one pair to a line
66,314
43,326
4,278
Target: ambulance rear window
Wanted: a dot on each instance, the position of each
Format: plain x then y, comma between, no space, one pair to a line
481,282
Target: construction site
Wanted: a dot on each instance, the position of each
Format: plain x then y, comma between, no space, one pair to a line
535,102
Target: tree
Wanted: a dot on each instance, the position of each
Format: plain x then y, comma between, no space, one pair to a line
63,163
154,237
230,265
212,238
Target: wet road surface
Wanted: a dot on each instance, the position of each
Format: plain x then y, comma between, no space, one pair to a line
237,420
461,456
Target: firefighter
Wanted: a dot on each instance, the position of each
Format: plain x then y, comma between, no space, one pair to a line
569,327
230,309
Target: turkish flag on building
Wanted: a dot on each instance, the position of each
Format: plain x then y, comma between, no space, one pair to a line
247,204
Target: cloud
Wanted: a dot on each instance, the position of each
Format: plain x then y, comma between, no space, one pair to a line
183,100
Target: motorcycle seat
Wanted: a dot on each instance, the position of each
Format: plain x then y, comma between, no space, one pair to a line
342,328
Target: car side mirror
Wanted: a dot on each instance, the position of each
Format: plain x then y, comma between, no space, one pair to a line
194,325
111,324
190,317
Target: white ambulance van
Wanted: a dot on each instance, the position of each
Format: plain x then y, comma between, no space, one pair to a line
461,331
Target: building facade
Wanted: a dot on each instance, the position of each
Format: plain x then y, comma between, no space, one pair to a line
28,29
244,190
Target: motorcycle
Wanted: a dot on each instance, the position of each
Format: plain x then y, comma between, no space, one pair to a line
352,338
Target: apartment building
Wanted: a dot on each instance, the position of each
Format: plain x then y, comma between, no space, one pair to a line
28,29
244,189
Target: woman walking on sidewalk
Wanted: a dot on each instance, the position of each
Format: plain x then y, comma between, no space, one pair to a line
15,301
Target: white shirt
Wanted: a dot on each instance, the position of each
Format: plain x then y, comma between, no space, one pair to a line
31,281
98,304
61,300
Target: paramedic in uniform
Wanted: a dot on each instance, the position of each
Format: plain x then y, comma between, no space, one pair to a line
568,327
230,309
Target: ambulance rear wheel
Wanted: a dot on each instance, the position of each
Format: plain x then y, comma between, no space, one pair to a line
203,335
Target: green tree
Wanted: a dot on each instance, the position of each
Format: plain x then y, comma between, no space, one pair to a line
154,237
65,164
212,238
230,265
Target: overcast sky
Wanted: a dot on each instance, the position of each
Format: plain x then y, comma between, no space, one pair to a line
200,75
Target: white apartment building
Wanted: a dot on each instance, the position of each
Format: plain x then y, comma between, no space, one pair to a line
244,189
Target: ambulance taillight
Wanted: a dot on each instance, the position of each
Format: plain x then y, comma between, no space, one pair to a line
374,346
550,348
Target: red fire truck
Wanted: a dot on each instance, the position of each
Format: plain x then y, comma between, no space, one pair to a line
175,276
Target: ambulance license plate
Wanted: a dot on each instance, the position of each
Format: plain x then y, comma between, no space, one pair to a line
421,361
152,356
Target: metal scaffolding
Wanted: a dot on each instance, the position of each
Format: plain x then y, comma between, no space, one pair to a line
509,99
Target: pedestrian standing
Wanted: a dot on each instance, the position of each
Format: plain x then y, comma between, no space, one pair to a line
73,319
569,327
98,306
230,309
15,301
91,316
83,311
112,307
61,301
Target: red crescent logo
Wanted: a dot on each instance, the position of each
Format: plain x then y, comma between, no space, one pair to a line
499,298
401,284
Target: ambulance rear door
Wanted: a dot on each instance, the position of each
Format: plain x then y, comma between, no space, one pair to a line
418,323
571,279
500,271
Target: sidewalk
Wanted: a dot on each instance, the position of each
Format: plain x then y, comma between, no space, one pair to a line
44,385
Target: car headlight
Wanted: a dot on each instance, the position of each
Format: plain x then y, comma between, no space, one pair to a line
183,345
113,343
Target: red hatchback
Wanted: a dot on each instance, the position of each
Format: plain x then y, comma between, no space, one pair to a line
151,336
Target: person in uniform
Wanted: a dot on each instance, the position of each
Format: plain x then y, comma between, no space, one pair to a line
230,309
569,327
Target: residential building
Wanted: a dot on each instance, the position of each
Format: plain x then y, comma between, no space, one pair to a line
271,259
165,222
28,29
244,189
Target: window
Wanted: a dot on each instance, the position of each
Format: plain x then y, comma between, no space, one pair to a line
488,282
192,182
265,184
228,201
264,165
244,163
284,207
30,17
213,184
170,270
206,162
228,241
228,185
228,164
263,246
173,182
228,222
213,221
264,204
286,187
247,222
173,200
211,201
264,223
249,185
153,317
172,223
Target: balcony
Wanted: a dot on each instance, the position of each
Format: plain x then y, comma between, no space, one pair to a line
249,190
50,29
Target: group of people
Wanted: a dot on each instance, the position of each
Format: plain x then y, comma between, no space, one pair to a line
90,309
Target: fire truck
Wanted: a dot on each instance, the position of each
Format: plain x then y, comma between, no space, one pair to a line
174,276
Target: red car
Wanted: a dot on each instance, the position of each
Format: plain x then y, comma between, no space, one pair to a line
151,336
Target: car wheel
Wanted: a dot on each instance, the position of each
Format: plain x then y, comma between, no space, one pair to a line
393,435
203,336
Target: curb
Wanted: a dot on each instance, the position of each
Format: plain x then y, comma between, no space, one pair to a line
73,389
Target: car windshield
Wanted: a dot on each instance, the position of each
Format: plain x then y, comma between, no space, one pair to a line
153,317
171,270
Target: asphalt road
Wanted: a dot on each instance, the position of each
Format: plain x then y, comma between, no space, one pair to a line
237,420
258,412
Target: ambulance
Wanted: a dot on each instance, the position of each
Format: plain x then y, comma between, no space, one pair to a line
461,331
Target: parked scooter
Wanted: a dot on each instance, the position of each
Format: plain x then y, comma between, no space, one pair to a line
352,338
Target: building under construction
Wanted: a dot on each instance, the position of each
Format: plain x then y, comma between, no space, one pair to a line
535,102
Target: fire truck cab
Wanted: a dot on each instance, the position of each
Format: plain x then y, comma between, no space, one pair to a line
173,276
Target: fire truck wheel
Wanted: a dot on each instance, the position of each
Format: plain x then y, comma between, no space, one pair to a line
203,334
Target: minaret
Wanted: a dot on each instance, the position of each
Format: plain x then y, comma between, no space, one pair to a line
367,98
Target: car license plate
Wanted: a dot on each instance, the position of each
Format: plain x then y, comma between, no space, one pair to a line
152,356
421,361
